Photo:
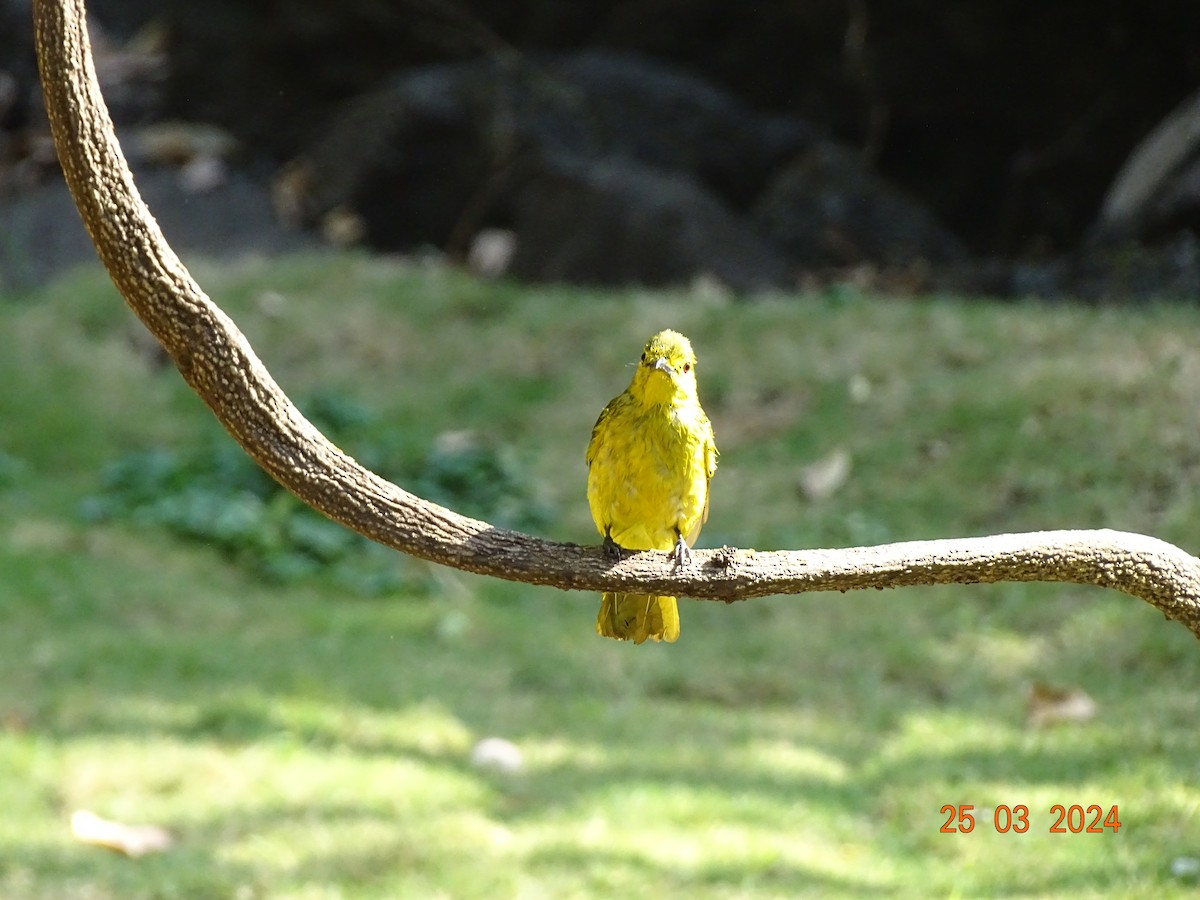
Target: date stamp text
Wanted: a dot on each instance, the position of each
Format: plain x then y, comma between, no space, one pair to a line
962,818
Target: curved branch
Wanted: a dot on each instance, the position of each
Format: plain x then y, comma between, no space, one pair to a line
219,364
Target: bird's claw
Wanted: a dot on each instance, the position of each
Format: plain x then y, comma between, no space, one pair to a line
612,549
682,553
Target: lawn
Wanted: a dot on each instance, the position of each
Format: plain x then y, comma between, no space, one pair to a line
306,733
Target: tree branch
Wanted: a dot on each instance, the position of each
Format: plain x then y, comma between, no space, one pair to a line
217,361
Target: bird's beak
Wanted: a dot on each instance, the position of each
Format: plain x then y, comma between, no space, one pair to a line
663,366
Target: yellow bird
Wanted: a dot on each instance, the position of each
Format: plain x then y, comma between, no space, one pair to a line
650,460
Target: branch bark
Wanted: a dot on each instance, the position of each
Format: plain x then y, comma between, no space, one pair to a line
219,364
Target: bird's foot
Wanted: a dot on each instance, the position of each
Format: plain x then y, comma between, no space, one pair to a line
682,552
612,549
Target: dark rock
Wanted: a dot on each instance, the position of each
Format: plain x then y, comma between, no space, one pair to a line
676,121
978,110
1117,273
1008,121
18,63
445,151
828,209
411,158
616,222
20,94
466,121
1135,272
43,234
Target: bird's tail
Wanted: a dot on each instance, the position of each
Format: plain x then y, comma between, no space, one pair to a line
636,617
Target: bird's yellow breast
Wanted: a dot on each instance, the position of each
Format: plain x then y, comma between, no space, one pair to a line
649,466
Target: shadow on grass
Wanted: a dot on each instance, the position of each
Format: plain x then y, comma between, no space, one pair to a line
739,729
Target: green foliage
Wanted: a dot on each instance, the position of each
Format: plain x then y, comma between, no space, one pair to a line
213,493
479,480
11,468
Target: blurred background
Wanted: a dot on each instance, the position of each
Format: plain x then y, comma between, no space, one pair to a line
988,149
939,263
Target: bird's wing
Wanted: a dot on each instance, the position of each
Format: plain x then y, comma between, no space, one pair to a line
710,467
595,440
710,462
691,536
710,451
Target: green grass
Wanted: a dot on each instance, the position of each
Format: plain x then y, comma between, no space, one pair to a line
306,741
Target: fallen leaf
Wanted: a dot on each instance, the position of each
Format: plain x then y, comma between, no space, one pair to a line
342,227
492,250
1052,706
132,840
1185,867
292,193
860,388
498,755
822,479
202,174
176,143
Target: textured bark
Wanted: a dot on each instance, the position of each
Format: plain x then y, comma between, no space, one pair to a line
219,364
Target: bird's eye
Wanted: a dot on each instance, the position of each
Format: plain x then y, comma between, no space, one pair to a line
687,367
643,357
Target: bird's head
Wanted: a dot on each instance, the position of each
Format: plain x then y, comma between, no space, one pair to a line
667,367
